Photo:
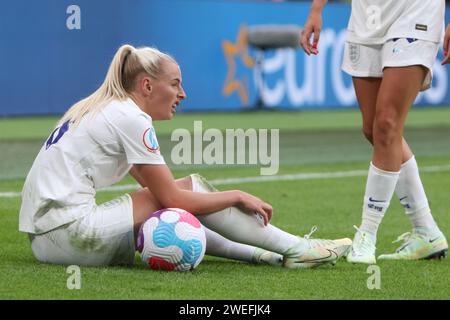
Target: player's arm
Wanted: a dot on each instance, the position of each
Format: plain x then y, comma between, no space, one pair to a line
446,44
159,180
313,26
133,172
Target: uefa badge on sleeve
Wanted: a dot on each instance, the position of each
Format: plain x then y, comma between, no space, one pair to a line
150,141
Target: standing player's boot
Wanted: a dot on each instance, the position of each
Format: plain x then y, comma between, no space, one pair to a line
419,244
363,248
261,256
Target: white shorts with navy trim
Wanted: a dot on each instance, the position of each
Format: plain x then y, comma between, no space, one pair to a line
370,60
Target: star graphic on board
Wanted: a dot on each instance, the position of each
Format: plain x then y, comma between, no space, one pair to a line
233,51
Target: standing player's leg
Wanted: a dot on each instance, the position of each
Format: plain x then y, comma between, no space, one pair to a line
425,241
409,188
395,96
366,90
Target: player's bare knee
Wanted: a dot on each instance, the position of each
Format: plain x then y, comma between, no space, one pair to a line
143,195
144,203
386,130
368,133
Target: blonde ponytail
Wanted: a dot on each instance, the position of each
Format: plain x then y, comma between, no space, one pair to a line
127,64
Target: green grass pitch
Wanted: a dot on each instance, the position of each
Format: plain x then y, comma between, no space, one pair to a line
309,142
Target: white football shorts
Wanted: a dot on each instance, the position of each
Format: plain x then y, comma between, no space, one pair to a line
103,237
370,60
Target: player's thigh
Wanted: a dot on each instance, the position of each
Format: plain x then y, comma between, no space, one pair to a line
407,52
407,69
366,90
364,64
399,88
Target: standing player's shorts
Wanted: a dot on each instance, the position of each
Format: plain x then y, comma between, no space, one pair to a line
103,237
370,60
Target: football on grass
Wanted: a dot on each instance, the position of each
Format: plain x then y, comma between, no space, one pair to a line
172,239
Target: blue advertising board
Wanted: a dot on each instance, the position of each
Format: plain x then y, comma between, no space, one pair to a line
55,52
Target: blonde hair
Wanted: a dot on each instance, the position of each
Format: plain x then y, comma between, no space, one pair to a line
127,64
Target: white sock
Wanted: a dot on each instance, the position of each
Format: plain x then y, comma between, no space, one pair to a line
218,246
240,227
379,190
412,196
244,228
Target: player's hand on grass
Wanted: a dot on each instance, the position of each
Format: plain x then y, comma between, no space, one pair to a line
313,26
446,43
251,205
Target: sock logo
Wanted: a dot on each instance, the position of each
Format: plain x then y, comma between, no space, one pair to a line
374,207
405,205
373,200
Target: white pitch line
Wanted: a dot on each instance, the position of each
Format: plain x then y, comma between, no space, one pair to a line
286,177
9,194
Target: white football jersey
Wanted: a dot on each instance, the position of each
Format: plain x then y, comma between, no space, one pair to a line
376,21
73,164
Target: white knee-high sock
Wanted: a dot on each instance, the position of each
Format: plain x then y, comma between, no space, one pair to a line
379,190
412,196
240,227
244,228
218,246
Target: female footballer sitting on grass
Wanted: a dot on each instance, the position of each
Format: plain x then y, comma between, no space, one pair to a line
390,51
109,134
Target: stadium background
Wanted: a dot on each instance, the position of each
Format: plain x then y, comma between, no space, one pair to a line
43,40
49,61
